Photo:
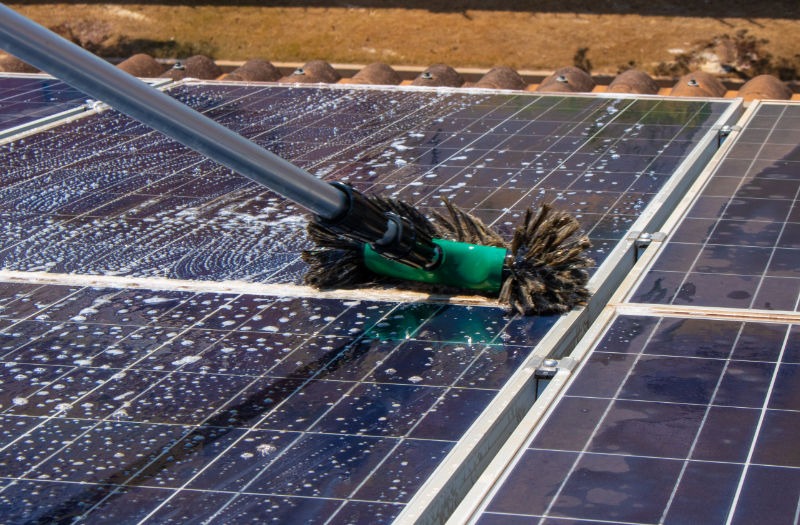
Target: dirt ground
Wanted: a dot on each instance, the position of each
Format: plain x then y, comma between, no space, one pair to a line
542,36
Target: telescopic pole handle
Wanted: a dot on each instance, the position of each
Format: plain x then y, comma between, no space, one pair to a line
97,78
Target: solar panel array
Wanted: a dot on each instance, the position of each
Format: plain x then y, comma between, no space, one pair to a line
136,403
676,418
24,99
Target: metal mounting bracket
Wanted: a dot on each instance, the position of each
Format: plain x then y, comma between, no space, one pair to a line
641,240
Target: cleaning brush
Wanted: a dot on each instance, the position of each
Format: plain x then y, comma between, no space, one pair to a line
542,270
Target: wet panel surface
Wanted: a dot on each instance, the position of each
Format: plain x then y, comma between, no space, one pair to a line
105,195
208,404
669,420
234,407
737,246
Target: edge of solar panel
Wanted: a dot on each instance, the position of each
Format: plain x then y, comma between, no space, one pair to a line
449,479
34,126
449,483
569,367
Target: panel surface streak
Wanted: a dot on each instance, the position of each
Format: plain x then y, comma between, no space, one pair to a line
122,405
737,246
25,99
670,420
106,195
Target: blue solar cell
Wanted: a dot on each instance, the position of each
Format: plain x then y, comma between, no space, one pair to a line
736,248
24,99
669,419
768,491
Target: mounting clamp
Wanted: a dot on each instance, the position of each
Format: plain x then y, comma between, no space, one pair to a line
546,370
724,132
641,240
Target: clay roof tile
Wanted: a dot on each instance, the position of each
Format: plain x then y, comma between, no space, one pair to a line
633,81
765,87
698,84
197,66
439,75
254,70
377,73
501,77
567,79
315,71
142,65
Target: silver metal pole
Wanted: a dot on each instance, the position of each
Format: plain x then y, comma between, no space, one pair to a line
97,78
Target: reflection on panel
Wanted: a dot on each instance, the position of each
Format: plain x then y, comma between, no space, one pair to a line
737,245
670,420
134,403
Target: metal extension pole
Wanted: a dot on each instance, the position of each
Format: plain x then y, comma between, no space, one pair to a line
49,52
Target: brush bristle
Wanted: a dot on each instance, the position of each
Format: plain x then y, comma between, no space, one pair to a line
546,271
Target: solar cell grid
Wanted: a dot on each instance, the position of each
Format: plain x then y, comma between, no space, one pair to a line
140,403
741,234
131,202
24,99
669,420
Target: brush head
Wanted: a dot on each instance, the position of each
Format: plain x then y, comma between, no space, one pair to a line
545,271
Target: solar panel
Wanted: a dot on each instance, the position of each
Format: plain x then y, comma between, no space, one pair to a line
116,198
737,245
110,394
669,420
143,400
27,98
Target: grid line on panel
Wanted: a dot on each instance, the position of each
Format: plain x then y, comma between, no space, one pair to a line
230,447
733,246
585,448
722,212
616,115
427,108
478,162
570,155
183,438
115,147
700,427
745,351
576,126
756,434
127,368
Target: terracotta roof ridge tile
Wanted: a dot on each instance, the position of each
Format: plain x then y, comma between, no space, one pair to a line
568,79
